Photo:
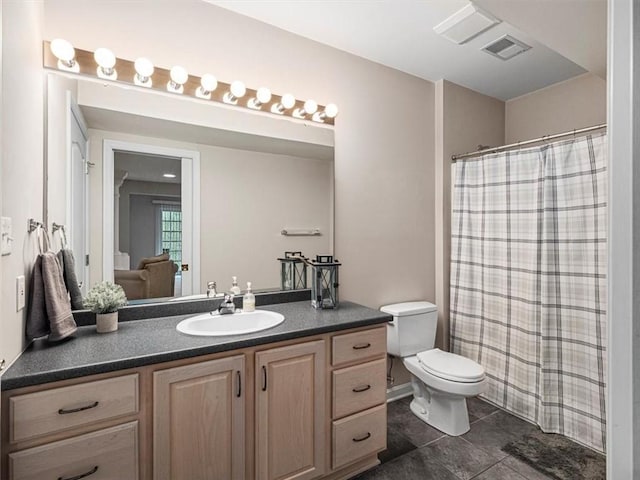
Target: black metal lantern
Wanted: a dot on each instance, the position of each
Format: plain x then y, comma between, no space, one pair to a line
324,283
293,271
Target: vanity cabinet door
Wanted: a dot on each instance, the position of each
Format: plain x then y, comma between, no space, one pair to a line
198,421
290,412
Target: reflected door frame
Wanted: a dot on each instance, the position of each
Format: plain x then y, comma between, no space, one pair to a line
190,193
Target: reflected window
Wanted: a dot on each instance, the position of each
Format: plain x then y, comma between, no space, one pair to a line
170,232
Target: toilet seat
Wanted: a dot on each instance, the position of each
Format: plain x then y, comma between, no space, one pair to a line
450,366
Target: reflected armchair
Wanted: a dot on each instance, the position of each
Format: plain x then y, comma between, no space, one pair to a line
155,277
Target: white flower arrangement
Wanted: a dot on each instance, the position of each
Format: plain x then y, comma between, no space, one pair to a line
105,297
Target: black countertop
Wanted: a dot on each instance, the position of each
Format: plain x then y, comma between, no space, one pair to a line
144,342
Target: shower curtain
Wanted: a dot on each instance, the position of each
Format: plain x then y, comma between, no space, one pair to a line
528,281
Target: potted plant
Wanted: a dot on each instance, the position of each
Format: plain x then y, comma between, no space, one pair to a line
104,299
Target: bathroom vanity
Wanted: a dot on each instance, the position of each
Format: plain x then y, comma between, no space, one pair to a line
304,400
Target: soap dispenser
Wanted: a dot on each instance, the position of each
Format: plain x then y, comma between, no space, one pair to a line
235,289
248,300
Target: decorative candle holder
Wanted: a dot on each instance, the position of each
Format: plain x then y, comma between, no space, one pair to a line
293,271
324,283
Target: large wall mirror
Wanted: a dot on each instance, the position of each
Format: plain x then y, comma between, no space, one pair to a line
140,176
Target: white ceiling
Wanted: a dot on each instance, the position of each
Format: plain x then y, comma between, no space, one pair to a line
148,168
399,34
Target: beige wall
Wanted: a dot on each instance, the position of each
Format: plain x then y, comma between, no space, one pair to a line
383,136
575,103
246,199
22,155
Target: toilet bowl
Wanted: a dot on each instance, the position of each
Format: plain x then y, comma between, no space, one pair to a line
441,381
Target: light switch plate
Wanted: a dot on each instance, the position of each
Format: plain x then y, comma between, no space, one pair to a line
6,238
20,293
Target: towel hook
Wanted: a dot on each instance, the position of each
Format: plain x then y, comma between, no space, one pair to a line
63,233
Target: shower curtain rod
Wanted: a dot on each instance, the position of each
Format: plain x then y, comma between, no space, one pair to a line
544,138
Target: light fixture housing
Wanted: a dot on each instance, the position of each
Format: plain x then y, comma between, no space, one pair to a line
287,101
330,111
236,91
208,83
179,77
144,70
263,95
169,175
106,61
310,107
65,53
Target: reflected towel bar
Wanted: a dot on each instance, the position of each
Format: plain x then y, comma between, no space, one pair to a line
301,233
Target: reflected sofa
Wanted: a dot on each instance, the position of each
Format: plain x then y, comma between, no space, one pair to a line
154,277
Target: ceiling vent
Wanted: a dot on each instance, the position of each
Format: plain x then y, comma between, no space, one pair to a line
506,47
465,24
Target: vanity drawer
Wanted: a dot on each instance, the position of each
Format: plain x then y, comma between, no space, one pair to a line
359,435
359,387
107,454
353,347
35,414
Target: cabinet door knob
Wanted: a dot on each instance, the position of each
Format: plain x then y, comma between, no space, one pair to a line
362,388
361,346
64,411
363,438
264,378
82,475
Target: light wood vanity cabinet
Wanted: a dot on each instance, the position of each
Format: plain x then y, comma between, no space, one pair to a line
199,421
290,412
304,409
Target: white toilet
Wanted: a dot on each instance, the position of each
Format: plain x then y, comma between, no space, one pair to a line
441,381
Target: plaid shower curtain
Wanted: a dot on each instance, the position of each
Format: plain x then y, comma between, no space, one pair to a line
528,281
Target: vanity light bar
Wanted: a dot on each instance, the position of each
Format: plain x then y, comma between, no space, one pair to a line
84,63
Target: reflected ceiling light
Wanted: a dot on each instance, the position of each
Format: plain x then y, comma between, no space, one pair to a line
106,61
65,53
208,83
169,175
310,107
263,95
330,111
286,102
236,90
144,70
179,77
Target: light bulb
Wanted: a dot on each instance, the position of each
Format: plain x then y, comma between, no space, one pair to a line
106,60
330,111
65,53
263,95
144,70
286,102
310,107
179,77
208,83
236,90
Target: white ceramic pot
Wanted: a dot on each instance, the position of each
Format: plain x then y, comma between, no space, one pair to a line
106,322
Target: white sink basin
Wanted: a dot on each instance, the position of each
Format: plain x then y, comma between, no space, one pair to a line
213,324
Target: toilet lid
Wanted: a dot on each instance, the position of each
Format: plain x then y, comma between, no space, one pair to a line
450,366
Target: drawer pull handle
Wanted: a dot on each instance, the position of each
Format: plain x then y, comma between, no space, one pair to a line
362,388
363,438
64,411
361,346
82,475
239,393
264,378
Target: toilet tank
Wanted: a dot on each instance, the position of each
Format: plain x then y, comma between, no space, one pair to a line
413,328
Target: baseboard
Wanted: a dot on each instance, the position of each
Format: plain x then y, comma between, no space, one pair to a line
399,391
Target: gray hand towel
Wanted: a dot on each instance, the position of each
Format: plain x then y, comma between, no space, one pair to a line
37,321
56,299
68,264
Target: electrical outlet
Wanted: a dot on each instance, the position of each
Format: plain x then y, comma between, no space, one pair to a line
20,293
6,239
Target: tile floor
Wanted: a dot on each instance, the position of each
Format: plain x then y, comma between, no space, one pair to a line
417,451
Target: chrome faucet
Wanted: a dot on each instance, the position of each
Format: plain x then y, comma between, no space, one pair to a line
211,290
227,306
